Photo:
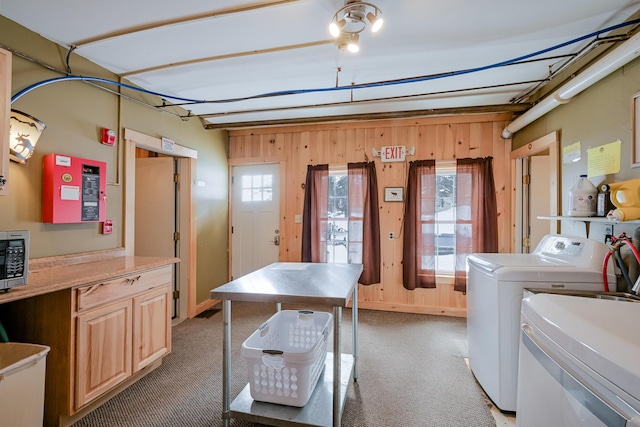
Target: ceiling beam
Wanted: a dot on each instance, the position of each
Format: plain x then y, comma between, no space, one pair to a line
182,20
228,56
514,109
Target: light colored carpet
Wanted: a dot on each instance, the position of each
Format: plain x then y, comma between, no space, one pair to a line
412,372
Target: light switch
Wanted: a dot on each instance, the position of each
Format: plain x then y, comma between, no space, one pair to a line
298,219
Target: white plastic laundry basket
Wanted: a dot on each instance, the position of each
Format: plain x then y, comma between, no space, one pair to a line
286,355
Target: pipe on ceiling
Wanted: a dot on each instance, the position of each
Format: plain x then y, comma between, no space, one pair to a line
620,56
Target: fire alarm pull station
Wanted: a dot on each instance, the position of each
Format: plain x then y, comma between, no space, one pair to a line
107,226
73,190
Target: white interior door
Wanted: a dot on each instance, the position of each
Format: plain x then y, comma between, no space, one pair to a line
255,217
539,200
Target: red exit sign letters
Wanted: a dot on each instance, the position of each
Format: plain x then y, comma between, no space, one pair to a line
394,153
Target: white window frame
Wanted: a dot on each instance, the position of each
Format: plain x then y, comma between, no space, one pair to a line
448,224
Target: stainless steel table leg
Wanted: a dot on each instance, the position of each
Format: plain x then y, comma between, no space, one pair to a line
337,362
354,326
226,363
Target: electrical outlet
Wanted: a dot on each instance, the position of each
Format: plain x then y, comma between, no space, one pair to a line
391,235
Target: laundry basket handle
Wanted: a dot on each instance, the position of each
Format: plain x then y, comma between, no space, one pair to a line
306,316
273,359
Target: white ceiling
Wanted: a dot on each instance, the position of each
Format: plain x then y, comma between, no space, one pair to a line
222,50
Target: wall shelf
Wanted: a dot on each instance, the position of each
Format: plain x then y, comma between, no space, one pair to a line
589,219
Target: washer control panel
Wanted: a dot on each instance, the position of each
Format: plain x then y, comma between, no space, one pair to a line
561,246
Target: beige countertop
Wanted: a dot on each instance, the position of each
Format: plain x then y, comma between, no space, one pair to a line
46,278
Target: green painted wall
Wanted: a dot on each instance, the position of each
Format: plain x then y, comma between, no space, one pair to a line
599,115
74,113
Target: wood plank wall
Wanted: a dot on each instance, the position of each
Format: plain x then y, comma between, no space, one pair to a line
440,138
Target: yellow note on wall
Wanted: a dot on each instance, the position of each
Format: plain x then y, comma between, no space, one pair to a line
604,160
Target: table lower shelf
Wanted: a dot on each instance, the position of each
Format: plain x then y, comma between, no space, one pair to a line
317,412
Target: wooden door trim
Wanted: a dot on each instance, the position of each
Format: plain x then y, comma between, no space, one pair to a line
187,158
550,142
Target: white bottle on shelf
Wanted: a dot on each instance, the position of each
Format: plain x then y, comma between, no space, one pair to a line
583,198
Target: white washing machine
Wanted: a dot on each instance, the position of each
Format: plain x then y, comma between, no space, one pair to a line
578,362
495,288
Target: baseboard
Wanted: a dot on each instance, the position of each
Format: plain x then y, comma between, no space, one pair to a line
66,421
205,305
369,305
407,308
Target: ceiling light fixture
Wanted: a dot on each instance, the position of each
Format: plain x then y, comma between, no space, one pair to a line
351,19
353,45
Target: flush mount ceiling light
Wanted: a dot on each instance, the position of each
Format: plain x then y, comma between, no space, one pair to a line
24,132
351,19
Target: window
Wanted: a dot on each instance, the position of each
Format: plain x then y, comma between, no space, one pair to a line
445,218
450,212
429,246
340,221
257,188
337,221
344,222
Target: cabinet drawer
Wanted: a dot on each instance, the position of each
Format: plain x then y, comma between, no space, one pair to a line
121,287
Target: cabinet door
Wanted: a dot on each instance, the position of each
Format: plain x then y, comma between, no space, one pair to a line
103,350
151,326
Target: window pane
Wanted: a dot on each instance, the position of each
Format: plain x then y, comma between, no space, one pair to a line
338,229
428,263
445,218
355,253
257,188
355,231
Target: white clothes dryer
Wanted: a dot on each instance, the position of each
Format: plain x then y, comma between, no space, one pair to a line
495,287
578,362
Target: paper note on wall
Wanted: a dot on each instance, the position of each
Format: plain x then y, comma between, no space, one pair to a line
604,160
571,153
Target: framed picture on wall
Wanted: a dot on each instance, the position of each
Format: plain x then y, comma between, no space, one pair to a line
635,130
393,194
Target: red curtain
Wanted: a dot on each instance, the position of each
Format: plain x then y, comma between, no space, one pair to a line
476,214
418,254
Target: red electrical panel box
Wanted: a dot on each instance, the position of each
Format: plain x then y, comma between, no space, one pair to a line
73,190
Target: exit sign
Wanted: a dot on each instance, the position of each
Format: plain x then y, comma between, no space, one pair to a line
394,153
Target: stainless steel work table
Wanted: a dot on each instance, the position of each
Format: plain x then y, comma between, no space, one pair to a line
295,283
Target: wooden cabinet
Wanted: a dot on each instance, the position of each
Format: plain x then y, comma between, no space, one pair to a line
122,325
103,336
